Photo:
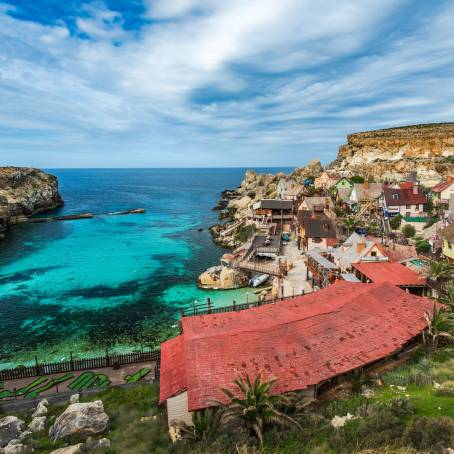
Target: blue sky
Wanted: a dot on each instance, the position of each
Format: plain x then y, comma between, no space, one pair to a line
192,83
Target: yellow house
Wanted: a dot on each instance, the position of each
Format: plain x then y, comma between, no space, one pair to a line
447,236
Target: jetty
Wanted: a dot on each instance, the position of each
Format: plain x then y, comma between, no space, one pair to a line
72,217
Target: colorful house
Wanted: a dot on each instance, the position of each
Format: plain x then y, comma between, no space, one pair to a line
316,232
307,343
343,183
441,193
407,202
447,236
326,180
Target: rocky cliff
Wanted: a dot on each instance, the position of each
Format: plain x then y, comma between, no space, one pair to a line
26,191
390,154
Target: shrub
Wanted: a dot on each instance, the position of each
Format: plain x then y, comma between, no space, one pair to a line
401,407
444,371
395,222
408,230
427,433
411,374
245,232
357,179
423,246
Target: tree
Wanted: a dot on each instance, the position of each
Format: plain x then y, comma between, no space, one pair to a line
206,424
448,297
423,246
439,270
359,381
395,222
256,408
357,179
439,325
351,223
408,230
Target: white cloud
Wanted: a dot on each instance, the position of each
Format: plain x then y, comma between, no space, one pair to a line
289,73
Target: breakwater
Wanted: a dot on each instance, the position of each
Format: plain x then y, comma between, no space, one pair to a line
72,217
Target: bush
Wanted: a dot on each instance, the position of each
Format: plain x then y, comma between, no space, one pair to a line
423,246
382,429
419,374
408,230
433,434
245,232
357,179
401,407
395,222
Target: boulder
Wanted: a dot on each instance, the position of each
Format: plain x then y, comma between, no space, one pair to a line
37,424
41,409
74,449
102,444
18,448
74,399
10,428
80,418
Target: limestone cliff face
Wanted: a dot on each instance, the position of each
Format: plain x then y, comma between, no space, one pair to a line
26,191
389,154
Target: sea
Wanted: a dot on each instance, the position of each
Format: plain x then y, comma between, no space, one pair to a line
111,283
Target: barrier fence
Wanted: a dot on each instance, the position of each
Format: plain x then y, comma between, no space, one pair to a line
78,365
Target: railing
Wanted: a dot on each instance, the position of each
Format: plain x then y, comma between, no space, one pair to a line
78,364
205,308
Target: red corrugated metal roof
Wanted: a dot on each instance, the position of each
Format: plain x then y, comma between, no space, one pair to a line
393,272
442,186
301,341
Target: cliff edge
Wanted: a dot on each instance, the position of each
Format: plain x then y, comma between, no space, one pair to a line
390,154
24,192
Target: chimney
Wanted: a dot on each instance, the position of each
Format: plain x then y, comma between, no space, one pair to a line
415,189
449,178
366,184
360,246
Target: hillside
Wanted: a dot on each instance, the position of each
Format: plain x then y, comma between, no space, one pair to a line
392,153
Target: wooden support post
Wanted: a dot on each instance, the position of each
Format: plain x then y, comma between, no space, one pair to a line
37,366
71,360
209,305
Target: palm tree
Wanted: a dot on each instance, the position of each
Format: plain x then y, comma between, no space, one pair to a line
255,407
438,269
206,424
351,223
448,297
440,324
359,381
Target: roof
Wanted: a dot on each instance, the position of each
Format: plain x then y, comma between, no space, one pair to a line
318,228
275,204
404,197
301,341
316,254
406,184
347,253
344,194
448,233
440,187
393,272
312,202
370,191
349,277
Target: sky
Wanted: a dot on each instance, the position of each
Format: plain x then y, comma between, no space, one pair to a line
210,83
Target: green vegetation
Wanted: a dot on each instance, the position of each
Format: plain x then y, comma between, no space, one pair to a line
357,179
439,269
395,222
245,232
423,246
408,230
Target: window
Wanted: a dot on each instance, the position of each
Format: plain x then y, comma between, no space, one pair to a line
408,207
407,214
395,196
373,253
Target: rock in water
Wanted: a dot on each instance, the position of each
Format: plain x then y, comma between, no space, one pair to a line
74,449
10,429
390,154
80,418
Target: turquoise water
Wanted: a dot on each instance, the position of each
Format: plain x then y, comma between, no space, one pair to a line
112,282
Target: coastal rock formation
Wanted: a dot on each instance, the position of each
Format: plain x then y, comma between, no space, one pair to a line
80,418
222,278
390,154
26,191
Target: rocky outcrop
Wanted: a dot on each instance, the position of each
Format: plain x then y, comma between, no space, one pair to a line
24,192
10,429
80,418
222,278
390,154
73,449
